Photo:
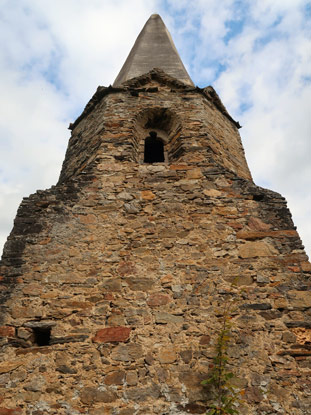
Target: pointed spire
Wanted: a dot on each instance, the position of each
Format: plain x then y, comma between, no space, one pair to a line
154,48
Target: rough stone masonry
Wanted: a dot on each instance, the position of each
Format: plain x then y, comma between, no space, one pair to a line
113,281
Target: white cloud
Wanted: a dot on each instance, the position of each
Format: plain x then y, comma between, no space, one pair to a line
270,76
54,54
264,49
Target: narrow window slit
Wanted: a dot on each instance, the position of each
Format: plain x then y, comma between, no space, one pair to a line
154,149
258,197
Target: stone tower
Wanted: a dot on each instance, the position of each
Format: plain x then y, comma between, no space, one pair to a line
114,282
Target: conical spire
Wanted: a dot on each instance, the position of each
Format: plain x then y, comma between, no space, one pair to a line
154,48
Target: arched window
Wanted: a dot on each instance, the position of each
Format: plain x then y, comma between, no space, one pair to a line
154,149
156,136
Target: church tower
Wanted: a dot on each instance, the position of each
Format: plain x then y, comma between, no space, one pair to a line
116,283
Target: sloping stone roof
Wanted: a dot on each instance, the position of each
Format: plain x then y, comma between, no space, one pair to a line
154,48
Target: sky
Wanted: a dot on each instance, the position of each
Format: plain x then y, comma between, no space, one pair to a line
255,53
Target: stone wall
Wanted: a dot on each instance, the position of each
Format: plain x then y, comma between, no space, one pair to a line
113,121
114,281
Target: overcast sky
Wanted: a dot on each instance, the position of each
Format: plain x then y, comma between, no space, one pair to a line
256,54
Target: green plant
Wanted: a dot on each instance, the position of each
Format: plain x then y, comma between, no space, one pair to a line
225,396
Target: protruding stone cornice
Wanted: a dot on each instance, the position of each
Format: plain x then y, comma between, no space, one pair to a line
136,85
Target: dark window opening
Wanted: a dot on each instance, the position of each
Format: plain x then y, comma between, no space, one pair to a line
154,149
42,336
258,197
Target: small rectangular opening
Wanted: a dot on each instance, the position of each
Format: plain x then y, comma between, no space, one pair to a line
42,335
154,149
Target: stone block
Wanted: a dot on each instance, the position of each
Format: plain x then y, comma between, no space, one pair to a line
127,411
7,331
299,299
205,339
194,408
142,394
87,219
289,337
132,378
36,385
212,193
306,266
162,317
127,268
127,352
186,355
115,378
91,395
194,174
10,365
116,320
256,249
253,235
253,394
33,289
258,225
7,411
167,355
139,284
111,284
158,299
112,334
124,195
147,195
